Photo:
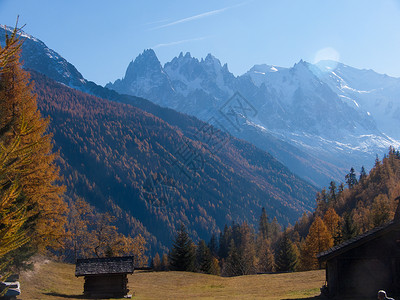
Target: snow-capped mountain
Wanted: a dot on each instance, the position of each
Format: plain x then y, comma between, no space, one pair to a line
188,74
38,56
306,104
309,113
319,120
339,116
146,76
376,94
205,82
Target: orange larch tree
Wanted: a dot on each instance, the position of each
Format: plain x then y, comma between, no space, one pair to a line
38,175
318,239
332,222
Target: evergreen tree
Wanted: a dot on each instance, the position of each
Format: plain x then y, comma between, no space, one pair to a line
341,188
203,258
377,162
349,230
322,202
182,255
224,242
351,179
332,193
241,258
286,257
236,234
263,225
213,245
233,264
363,174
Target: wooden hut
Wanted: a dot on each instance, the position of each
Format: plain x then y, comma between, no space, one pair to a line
365,264
105,277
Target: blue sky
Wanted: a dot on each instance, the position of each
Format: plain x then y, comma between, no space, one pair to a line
101,37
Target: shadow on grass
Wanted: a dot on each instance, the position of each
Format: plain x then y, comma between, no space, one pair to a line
80,296
319,297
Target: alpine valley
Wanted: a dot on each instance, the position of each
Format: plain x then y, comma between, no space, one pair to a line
275,135
317,119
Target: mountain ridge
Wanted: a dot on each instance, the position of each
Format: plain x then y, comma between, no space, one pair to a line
113,151
315,158
297,105
301,162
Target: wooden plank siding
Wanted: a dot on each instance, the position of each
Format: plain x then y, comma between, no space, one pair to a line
366,264
105,277
106,285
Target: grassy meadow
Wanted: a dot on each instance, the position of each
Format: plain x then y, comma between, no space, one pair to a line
52,280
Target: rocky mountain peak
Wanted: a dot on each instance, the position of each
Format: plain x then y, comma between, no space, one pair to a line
145,64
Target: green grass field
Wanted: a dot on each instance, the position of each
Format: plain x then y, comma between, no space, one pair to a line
53,280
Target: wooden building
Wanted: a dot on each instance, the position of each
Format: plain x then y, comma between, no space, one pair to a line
105,277
362,266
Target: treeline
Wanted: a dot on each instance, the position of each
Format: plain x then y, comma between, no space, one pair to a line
369,200
238,250
342,212
34,214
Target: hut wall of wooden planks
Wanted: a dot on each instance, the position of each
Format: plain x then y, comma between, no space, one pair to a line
105,277
362,266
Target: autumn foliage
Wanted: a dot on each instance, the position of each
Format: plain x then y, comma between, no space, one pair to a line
341,213
94,234
369,200
318,240
114,154
31,208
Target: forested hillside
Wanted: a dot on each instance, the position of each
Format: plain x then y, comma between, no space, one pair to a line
341,213
345,210
113,153
369,199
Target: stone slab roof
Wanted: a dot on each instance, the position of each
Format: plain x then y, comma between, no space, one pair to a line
107,265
